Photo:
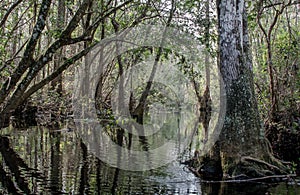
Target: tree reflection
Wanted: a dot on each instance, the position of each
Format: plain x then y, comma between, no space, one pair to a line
39,161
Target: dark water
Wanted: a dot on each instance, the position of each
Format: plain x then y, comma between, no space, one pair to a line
39,161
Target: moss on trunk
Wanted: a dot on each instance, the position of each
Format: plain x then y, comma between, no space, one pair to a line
242,150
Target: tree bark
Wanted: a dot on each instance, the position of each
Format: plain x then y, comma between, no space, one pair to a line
27,60
242,149
57,82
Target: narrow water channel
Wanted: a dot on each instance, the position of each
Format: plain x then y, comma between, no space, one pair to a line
41,161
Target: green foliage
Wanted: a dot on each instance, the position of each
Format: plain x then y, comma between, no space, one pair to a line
285,58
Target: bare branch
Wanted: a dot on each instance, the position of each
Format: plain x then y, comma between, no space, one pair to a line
57,72
29,50
9,12
75,20
102,17
9,61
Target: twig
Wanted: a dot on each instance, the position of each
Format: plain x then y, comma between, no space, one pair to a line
9,11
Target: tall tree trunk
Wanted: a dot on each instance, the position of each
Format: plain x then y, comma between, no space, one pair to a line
205,106
242,148
61,11
139,110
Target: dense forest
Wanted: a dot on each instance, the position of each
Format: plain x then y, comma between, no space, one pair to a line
233,83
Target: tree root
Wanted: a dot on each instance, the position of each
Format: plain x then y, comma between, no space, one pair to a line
272,167
249,168
226,166
237,179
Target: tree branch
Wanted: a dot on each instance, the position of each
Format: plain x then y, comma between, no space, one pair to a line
34,69
29,51
8,12
102,17
56,73
75,20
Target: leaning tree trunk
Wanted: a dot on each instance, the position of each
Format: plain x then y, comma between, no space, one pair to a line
242,149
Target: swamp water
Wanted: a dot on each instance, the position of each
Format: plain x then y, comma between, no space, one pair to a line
41,161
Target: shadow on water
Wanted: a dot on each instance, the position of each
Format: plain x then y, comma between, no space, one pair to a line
37,160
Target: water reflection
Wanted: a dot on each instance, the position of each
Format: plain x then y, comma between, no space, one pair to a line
37,160
125,144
